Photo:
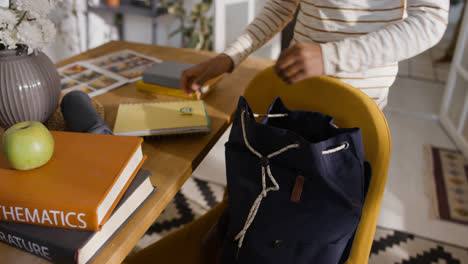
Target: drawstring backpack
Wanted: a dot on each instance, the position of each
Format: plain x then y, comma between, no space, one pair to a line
296,185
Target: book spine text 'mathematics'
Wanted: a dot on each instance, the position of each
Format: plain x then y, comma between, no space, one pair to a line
56,218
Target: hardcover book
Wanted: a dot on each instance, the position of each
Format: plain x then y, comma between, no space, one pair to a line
166,73
162,118
77,246
78,188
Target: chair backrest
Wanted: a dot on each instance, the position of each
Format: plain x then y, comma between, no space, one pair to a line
350,108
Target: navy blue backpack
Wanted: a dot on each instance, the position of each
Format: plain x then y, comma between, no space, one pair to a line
296,185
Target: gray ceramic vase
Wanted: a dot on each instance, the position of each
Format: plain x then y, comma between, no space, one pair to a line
29,87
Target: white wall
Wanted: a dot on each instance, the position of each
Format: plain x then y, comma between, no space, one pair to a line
102,30
138,29
234,19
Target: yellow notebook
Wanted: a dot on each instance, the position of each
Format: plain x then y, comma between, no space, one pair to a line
209,86
162,118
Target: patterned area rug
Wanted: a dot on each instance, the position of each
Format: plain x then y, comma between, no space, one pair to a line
395,247
193,200
447,184
390,246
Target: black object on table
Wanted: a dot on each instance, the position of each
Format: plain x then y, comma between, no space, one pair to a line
81,116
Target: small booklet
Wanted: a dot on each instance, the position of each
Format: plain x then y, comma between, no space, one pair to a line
164,78
105,73
162,118
207,87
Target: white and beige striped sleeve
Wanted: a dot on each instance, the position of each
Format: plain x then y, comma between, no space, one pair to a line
421,29
275,15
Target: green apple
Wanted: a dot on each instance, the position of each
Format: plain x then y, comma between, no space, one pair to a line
27,145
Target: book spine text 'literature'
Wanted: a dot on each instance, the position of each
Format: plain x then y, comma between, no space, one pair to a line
47,251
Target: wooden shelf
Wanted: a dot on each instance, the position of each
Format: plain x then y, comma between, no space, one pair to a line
129,9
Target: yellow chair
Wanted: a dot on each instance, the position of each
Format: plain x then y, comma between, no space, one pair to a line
350,108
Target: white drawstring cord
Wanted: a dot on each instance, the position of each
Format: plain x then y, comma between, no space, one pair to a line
266,167
343,145
256,205
270,115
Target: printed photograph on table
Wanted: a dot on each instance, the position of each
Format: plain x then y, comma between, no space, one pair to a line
134,64
93,80
131,69
134,73
105,73
68,83
137,62
73,70
119,67
103,82
113,59
88,76
79,88
126,63
85,89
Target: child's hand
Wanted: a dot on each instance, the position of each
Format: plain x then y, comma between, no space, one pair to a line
299,62
193,78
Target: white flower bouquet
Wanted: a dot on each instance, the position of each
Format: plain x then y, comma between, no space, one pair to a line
24,24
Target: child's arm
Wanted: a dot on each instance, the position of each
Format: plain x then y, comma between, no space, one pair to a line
423,28
275,15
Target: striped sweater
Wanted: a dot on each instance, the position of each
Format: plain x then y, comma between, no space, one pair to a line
362,41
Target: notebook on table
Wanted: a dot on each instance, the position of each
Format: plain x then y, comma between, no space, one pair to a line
164,78
162,118
207,87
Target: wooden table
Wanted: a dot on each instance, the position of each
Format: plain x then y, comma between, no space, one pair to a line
172,159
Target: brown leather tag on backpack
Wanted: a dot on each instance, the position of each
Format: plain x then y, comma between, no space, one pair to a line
297,189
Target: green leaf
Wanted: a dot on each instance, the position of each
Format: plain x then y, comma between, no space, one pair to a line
204,7
193,42
21,19
172,10
196,28
175,32
188,32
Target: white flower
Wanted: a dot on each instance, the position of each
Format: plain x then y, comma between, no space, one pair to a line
36,34
29,33
26,24
8,19
8,38
48,30
35,8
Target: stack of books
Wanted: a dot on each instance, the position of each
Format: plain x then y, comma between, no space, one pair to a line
68,209
164,78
